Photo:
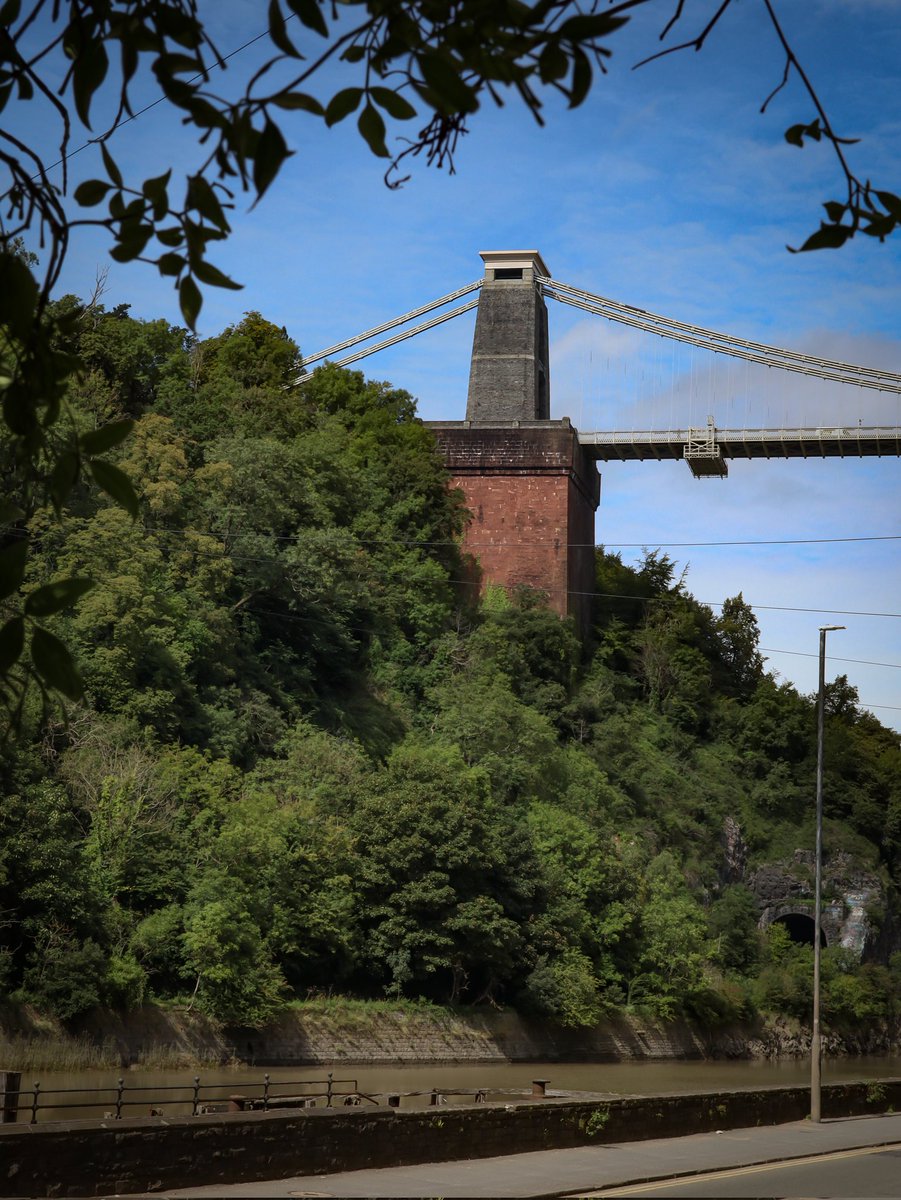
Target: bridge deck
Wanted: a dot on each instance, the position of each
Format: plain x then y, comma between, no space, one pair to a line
829,442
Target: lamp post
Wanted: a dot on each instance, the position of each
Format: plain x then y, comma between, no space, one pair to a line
815,1048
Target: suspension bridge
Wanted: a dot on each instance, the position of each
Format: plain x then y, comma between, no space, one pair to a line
705,448
531,482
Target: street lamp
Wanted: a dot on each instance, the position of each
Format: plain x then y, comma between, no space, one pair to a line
815,1051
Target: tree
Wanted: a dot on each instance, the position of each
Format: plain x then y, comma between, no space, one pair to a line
435,61
439,881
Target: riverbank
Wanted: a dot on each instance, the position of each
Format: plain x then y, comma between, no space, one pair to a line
335,1032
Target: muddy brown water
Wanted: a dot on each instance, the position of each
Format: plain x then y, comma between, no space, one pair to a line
172,1092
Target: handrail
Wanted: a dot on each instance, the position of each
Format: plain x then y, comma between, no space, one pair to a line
199,1099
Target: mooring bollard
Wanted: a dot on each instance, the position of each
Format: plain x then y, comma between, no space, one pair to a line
10,1082
539,1087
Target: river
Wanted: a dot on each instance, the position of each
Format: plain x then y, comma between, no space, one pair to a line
143,1089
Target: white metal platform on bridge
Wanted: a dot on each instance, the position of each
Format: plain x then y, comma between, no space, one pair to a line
706,449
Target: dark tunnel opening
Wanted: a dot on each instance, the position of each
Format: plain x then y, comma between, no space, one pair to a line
800,928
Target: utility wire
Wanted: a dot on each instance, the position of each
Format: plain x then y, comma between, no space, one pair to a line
220,62
670,599
355,629
864,662
288,537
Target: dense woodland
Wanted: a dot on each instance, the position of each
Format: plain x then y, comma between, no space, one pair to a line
311,762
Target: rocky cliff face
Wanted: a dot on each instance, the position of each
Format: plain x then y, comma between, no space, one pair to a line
785,892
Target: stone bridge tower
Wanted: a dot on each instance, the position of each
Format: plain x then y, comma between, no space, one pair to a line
531,488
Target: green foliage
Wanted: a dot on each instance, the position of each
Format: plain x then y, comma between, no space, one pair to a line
304,762
597,1122
435,61
564,988
732,923
64,978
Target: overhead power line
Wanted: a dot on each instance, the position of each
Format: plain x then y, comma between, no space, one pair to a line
650,542
303,619
621,596
220,62
863,662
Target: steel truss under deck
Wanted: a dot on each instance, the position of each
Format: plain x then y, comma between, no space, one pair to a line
706,450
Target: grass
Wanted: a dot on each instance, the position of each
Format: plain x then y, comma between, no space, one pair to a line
26,1053
49,1053
349,1014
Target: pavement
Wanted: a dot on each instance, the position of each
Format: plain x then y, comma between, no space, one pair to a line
586,1169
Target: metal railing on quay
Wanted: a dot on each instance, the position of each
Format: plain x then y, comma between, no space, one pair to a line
34,1104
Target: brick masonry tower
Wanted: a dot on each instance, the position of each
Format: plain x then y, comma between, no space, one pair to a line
531,488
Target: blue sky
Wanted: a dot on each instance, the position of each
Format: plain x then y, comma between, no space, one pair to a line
669,191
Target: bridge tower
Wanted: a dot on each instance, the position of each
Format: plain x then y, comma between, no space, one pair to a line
531,488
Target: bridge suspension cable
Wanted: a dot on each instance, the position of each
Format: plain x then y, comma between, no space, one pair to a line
722,343
399,337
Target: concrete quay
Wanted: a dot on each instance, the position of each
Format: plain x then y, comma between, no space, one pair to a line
584,1170
217,1152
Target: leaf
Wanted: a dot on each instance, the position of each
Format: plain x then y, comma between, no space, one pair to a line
131,242
53,597
880,227
278,33
202,196
342,104
89,70
271,152
834,211
190,300
155,191
12,566
9,12
62,478
111,169
173,236
12,639
18,294
92,191
581,80
393,103
298,100
372,128
55,665
891,203
553,63
98,441
170,264
442,77
308,11
588,26
828,237
115,483
794,135
207,273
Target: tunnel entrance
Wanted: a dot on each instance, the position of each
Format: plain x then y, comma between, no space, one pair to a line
801,928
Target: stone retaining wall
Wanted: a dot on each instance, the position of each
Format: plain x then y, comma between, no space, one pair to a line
382,1038
154,1036
148,1154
